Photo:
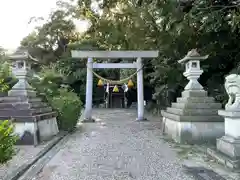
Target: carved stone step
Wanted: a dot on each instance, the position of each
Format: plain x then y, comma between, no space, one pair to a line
192,112
47,115
42,110
200,118
197,105
23,105
24,112
19,99
192,93
34,105
196,100
17,92
38,117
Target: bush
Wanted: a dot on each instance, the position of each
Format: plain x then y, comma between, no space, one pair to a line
47,86
7,141
65,102
7,78
68,106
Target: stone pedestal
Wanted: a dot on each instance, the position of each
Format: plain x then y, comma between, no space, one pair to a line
228,146
34,120
227,151
193,118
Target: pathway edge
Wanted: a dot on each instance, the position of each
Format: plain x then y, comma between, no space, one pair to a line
16,174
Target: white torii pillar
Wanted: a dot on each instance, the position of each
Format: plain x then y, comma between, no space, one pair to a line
89,90
140,94
113,54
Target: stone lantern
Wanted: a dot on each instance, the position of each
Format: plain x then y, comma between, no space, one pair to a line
21,65
193,118
34,120
192,69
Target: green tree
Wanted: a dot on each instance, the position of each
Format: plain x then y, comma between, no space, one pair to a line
49,41
172,27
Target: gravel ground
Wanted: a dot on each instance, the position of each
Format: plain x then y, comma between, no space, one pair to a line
115,148
24,154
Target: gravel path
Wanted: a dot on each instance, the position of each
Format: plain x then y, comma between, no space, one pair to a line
115,148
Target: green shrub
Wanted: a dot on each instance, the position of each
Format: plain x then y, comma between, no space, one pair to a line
68,106
66,103
7,79
48,82
47,85
7,141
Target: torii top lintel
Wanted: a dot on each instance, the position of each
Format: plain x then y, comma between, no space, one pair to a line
114,54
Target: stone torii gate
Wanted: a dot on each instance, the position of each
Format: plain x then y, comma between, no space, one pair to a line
113,55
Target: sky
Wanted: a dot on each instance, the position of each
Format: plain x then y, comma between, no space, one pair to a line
15,15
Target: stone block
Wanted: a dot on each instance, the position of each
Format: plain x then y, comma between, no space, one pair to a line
30,132
29,93
196,118
232,127
193,118
195,99
230,114
19,99
35,121
229,146
23,105
192,132
47,128
192,112
194,93
26,131
190,105
223,159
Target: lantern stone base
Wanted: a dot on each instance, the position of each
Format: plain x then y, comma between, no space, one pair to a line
29,132
193,119
227,152
192,132
228,146
223,159
34,120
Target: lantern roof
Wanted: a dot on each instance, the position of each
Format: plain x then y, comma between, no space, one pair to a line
22,54
192,55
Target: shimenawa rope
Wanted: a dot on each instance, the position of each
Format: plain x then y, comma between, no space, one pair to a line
121,81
